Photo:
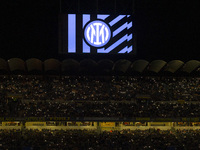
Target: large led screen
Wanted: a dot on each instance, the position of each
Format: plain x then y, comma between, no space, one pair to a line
96,34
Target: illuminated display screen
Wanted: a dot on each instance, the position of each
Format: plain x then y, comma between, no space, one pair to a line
96,34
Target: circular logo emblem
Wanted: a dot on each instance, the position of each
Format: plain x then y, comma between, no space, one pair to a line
97,33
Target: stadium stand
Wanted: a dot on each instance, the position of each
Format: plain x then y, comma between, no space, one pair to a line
34,65
70,66
52,66
122,96
3,66
89,66
156,65
105,66
118,103
173,66
74,139
190,66
121,66
139,66
16,65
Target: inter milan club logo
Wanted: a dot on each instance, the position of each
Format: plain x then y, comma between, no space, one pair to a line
97,33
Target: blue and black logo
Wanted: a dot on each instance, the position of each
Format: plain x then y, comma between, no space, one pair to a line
98,33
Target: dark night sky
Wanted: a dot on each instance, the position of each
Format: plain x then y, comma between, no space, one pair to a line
165,29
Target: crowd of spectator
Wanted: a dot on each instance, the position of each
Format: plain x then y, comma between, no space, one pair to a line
91,140
99,109
99,89
81,96
39,96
